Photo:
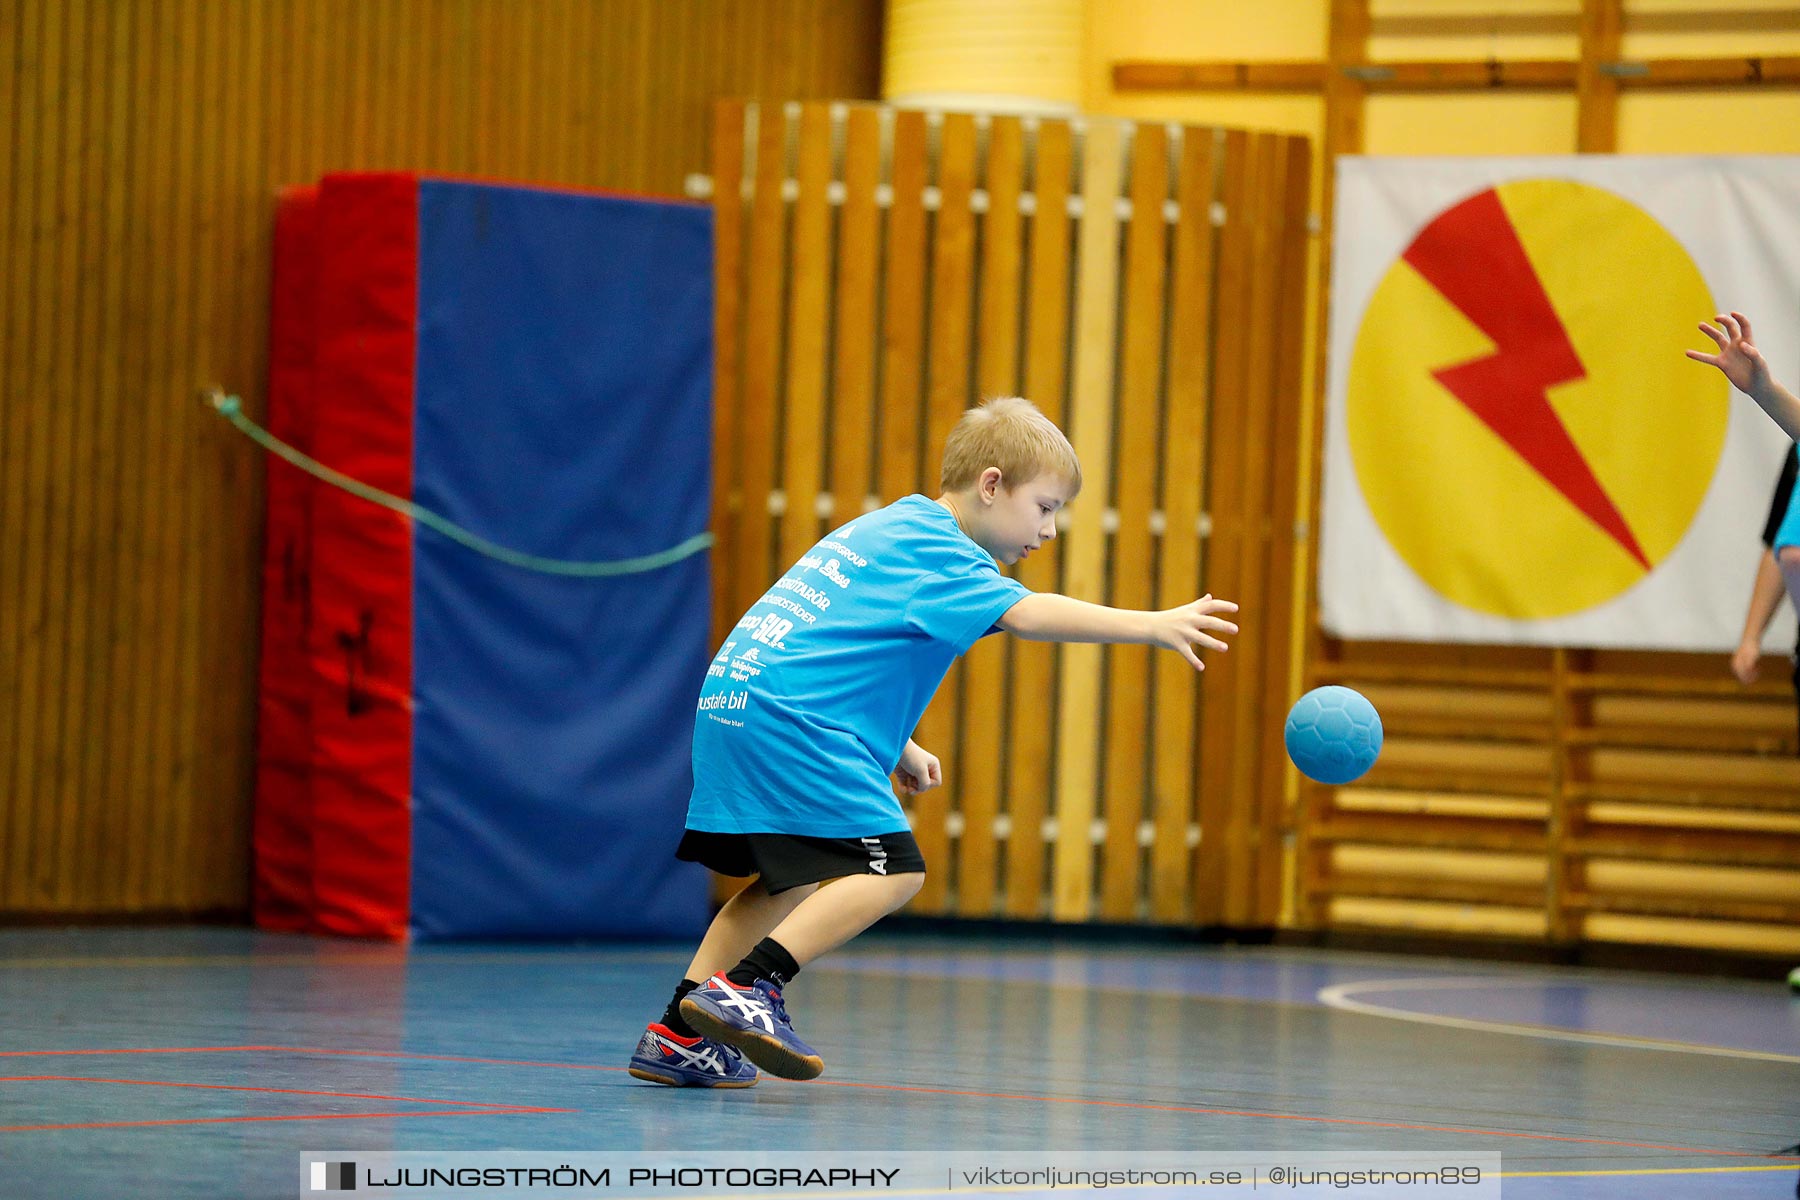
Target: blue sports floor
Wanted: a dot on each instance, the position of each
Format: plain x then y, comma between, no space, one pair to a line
200,1063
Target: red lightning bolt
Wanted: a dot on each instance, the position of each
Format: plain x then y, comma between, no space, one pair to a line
1472,255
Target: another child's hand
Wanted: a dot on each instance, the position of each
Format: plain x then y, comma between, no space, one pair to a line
1181,629
1738,356
919,770
1746,663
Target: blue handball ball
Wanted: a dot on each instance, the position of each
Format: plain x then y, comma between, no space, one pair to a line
1333,734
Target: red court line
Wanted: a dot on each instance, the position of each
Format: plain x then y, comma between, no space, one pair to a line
231,1087
149,1050
466,1108
455,1058
498,1062
1269,1116
892,1087
460,1112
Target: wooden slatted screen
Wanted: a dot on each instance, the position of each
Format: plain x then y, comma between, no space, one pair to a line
1173,755
996,374
1032,723
1142,284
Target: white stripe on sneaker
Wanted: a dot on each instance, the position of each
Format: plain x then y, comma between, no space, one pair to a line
703,1056
748,1007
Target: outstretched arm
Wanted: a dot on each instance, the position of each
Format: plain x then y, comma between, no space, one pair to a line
1048,617
1743,364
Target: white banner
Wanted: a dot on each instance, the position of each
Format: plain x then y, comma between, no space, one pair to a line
1516,449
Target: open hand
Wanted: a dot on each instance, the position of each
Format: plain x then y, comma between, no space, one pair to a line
1183,628
919,770
1738,356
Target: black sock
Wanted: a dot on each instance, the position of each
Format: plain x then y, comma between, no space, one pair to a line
672,1015
768,960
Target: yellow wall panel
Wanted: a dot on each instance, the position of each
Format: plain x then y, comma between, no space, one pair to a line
1015,55
1705,935
1137,30
1710,122
1470,920
1677,28
1479,123
1158,29
1295,114
1472,29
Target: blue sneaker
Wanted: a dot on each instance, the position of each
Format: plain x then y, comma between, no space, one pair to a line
755,1021
664,1056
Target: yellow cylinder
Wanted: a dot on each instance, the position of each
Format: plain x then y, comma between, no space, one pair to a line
1021,56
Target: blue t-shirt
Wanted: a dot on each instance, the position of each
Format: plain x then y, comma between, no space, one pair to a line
1783,529
810,701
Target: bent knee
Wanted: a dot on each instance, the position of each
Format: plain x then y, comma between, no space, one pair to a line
907,885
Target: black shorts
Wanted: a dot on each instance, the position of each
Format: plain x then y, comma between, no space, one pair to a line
786,860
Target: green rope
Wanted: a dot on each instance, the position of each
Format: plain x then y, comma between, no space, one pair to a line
231,408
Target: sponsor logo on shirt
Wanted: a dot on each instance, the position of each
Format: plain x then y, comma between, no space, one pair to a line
811,595
786,605
850,555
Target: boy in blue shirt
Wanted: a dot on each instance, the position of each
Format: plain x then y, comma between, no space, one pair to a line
805,714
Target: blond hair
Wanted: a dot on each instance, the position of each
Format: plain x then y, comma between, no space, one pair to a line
1010,433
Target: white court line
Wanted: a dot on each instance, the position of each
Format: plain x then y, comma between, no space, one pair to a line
1338,996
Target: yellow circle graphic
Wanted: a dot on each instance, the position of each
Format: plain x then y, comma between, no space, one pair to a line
1520,421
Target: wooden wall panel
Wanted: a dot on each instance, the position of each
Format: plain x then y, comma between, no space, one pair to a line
1254,709
28,443
759,428
808,333
16,103
144,145
858,268
1185,456
1638,787
1030,787
983,735
1080,715
1136,455
1287,539
1229,521
903,330
728,355
950,334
